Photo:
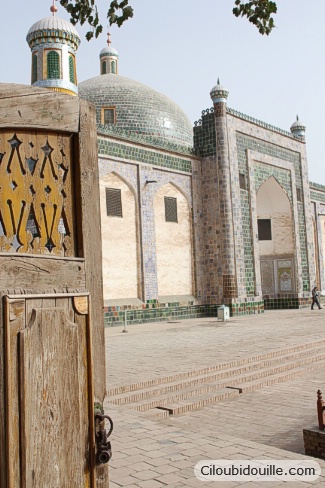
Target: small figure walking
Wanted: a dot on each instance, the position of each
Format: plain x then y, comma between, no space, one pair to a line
315,294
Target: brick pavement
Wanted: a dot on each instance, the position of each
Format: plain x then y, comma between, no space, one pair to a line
265,424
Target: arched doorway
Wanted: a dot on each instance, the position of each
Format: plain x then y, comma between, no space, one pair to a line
275,239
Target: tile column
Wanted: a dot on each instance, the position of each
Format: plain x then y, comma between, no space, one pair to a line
229,283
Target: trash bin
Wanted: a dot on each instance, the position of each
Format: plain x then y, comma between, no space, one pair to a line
223,313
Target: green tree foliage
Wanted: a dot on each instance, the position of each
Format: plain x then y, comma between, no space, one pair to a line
258,12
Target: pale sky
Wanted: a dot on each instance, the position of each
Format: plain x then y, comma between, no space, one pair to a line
181,47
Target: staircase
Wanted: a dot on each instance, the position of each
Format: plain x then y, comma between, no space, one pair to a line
192,390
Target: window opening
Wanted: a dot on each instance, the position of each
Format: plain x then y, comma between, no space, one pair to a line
299,197
108,116
114,202
34,69
71,70
53,65
264,230
170,209
242,181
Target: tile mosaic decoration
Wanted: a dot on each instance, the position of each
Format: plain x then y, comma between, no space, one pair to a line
112,148
119,133
153,311
204,130
262,173
205,135
317,192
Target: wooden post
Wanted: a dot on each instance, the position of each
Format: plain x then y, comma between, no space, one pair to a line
320,410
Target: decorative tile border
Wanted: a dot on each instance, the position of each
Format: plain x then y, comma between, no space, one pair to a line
286,303
265,125
137,153
112,130
153,312
317,192
271,160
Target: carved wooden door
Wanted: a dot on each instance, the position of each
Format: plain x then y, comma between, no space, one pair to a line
49,392
49,274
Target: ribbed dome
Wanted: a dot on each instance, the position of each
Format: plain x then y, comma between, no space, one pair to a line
297,125
108,50
53,22
139,109
219,91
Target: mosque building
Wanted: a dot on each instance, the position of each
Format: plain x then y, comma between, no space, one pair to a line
191,218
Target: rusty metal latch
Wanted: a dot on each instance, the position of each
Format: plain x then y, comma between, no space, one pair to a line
104,449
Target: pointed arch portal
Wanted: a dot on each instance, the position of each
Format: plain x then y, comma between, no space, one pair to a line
275,239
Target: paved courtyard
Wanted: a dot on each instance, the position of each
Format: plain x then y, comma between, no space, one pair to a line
153,452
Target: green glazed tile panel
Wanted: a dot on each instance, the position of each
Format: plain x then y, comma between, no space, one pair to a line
286,303
317,196
134,153
246,308
317,186
144,139
261,174
115,316
317,192
205,135
247,241
303,247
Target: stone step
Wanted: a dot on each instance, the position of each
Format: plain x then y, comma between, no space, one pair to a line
155,413
262,375
285,376
196,404
184,406
144,385
175,386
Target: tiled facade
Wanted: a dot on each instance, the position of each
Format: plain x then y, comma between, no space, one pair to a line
232,157
225,257
317,196
146,150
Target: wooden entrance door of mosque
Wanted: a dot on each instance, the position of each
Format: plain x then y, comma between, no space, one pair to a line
50,292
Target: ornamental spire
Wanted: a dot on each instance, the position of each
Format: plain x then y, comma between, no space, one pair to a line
54,8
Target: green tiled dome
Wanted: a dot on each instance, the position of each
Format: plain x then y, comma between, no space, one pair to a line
139,109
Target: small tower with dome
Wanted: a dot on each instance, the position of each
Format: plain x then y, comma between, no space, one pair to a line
54,42
108,59
298,129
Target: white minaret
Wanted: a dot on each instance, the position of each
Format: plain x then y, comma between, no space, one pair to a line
54,42
108,59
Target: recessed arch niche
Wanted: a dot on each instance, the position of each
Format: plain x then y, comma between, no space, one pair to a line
273,203
276,247
119,241
173,244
